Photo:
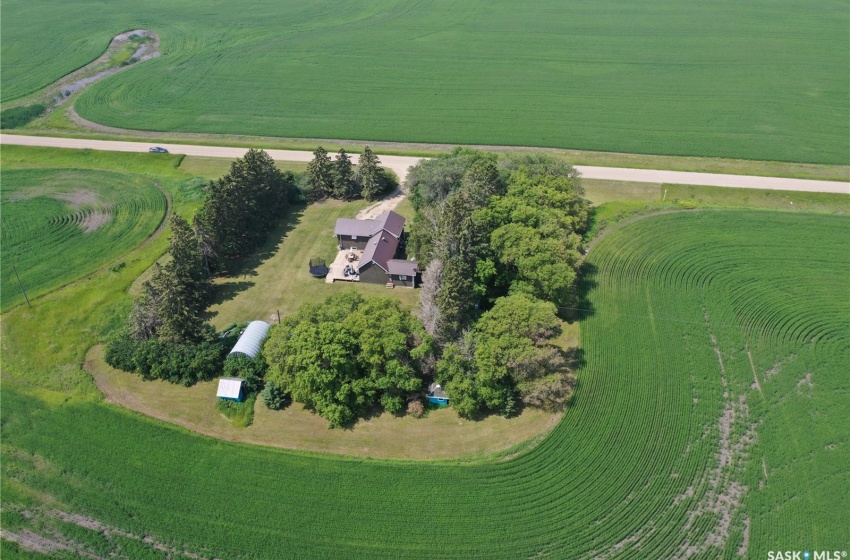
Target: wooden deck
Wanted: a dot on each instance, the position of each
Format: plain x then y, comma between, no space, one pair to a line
336,268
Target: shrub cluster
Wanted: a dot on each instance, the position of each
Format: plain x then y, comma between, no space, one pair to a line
346,355
153,358
15,117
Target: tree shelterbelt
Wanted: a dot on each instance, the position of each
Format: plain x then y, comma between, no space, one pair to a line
497,236
172,301
166,336
241,208
338,178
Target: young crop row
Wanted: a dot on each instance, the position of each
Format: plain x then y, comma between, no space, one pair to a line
660,455
468,73
59,225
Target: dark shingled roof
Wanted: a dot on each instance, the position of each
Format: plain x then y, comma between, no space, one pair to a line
380,249
389,221
404,268
355,228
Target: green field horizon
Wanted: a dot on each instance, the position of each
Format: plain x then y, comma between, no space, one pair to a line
759,80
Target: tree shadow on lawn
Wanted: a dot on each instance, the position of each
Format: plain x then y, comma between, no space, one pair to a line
247,266
225,292
585,283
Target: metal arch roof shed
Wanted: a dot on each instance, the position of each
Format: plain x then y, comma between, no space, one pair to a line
252,339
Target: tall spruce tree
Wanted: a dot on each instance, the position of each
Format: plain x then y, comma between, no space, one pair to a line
241,208
264,187
320,175
345,188
145,319
180,321
369,174
188,265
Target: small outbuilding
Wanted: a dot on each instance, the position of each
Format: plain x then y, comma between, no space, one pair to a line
230,389
402,272
252,339
437,396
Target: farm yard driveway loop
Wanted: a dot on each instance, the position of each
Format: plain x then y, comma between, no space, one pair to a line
400,165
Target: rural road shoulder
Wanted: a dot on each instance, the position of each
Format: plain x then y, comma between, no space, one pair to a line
400,165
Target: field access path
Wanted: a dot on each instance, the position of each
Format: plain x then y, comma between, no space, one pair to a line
400,165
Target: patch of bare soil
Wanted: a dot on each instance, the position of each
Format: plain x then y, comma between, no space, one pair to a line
65,87
805,383
742,550
95,219
49,540
36,543
714,497
720,492
77,197
777,367
77,80
389,202
756,384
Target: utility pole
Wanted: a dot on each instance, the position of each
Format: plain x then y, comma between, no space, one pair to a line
28,299
278,316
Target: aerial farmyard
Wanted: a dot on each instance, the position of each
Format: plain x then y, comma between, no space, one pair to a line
400,279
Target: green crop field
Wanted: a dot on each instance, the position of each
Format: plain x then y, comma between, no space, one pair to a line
763,79
709,421
61,224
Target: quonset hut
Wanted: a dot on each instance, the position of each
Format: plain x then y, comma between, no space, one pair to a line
251,341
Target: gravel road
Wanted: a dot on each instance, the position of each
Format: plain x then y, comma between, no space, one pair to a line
400,164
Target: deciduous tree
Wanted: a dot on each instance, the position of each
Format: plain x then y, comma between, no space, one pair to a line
347,354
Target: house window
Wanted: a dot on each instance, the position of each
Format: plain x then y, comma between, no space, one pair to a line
354,238
402,277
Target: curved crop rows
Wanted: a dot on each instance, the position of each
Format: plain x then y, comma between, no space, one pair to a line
668,450
661,77
59,225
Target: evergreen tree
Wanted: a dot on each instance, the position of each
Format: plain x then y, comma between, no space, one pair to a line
219,221
320,175
145,318
180,321
369,175
344,186
187,265
241,208
264,188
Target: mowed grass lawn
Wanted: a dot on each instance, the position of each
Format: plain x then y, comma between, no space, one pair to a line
384,436
277,278
763,80
213,168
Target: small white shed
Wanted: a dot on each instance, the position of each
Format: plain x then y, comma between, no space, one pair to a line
230,388
252,339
